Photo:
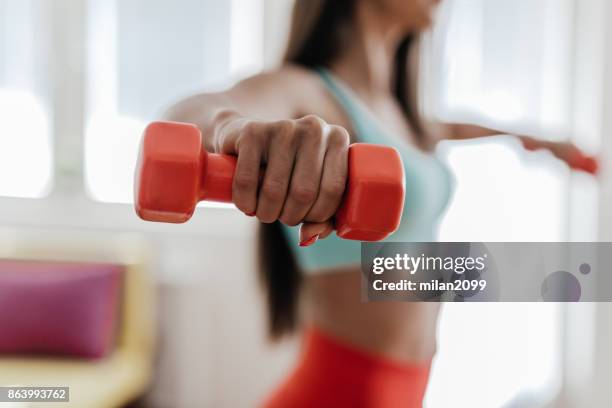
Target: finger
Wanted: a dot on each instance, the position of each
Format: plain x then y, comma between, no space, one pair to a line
250,150
280,160
589,165
224,126
311,232
333,180
306,176
229,134
583,162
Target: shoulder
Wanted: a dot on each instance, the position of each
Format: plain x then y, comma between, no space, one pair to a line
315,97
288,78
297,87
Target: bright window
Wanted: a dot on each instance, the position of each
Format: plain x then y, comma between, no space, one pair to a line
505,62
137,68
25,136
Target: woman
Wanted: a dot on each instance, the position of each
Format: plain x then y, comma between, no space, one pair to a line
349,75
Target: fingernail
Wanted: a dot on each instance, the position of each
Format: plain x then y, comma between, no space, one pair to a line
251,214
309,241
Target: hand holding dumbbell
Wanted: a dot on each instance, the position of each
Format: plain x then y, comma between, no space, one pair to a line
575,158
175,172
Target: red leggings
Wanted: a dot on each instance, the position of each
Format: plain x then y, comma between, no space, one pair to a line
331,374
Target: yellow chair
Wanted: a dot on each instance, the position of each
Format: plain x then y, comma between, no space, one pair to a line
125,373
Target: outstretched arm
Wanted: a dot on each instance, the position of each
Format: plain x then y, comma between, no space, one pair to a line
305,158
261,97
565,151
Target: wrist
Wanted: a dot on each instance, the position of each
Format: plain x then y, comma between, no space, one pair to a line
224,116
220,120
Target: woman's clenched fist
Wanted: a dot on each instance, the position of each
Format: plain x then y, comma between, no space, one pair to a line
304,162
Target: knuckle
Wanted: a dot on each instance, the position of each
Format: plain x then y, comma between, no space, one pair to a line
273,190
311,125
339,136
309,137
283,127
311,120
251,128
333,188
304,194
244,181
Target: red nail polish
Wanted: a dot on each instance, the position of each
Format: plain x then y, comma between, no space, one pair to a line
251,214
309,241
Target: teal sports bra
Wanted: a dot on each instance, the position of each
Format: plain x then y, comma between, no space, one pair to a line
428,189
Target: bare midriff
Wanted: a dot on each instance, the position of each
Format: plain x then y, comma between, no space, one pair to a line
405,331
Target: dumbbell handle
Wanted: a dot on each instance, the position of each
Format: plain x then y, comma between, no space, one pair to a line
217,177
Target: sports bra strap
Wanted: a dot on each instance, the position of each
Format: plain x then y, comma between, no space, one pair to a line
362,121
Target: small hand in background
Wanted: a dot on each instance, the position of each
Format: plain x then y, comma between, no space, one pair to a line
567,152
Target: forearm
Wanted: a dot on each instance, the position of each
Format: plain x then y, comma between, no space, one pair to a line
461,131
262,97
198,109
266,96
565,151
206,111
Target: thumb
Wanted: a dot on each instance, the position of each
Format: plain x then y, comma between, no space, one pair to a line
226,129
310,232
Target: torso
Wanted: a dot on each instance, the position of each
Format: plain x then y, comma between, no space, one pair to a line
404,331
331,300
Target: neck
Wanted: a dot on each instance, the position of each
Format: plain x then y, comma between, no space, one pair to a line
367,60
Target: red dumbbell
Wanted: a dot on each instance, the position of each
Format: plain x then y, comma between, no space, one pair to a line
174,173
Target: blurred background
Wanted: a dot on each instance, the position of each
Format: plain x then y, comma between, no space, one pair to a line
79,79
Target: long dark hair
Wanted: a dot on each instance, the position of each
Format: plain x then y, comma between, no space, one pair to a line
316,38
